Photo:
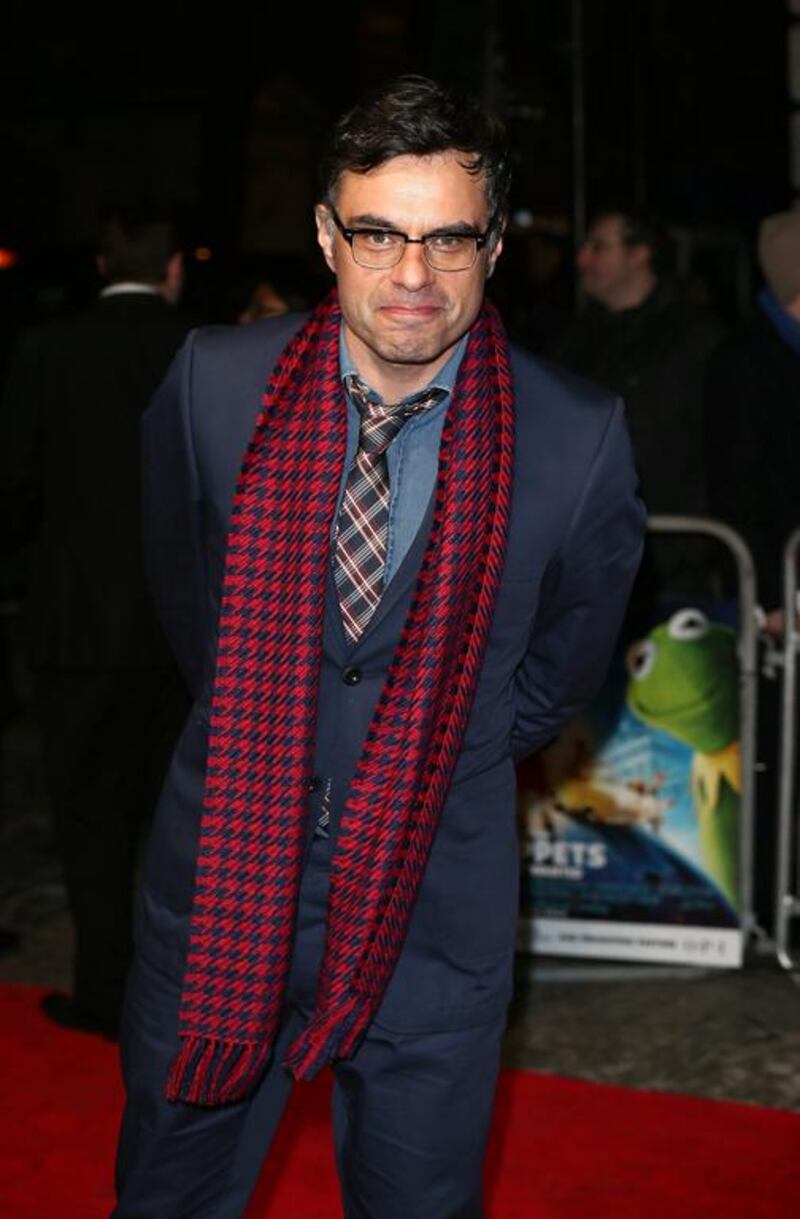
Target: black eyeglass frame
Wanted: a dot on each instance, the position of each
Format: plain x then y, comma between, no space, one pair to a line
480,240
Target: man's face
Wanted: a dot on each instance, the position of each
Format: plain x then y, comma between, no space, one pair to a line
607,265
402,322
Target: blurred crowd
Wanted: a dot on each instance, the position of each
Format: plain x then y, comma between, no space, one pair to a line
712,408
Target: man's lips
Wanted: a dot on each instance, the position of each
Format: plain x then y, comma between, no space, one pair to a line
417,312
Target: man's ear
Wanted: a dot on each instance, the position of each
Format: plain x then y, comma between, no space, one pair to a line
172,284
493,257
325,234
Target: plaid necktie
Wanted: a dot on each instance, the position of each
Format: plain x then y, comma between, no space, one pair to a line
362,534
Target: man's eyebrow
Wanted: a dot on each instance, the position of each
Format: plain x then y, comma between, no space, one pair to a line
371,220
460,228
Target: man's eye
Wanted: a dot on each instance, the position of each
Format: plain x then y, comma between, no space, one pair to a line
379,239
449,243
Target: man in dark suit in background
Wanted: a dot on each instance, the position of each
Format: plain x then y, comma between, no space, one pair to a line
753,420
108,696
417,577
640,337
752,446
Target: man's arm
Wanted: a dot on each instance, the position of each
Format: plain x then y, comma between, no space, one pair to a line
583,599
172,505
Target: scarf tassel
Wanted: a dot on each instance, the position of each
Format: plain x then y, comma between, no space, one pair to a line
333,1033
209,1072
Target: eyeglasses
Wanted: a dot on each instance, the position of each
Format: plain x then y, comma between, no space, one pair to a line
378,249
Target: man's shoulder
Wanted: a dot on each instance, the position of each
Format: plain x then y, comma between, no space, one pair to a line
544,386
560,416
96,320
754,352
229,368
256,341
688,322
53,332
138,308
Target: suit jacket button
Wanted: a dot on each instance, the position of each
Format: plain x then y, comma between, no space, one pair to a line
313,784
351,677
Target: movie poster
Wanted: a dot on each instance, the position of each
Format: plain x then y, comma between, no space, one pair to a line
630,821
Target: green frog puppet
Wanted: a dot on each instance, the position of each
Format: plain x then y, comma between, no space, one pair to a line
684,679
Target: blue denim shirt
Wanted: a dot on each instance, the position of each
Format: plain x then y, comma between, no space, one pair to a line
412,457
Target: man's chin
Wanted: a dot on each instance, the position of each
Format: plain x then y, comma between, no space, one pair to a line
413,352
417,358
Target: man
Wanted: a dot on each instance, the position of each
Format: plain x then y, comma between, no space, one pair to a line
753,426
429,549
640,339
108,695
752,442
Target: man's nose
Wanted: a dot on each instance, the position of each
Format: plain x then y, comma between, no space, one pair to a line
413,271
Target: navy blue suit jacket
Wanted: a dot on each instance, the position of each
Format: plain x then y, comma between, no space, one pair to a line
573,549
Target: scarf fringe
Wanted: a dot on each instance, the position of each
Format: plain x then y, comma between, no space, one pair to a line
330,1035
210,1072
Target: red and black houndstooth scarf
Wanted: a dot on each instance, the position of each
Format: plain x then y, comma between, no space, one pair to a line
254,824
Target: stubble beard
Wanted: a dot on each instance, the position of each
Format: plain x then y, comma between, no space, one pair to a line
419,351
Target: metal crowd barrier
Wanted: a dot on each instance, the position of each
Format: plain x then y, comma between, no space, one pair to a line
787,866
748,684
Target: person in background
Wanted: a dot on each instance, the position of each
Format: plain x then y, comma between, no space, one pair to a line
108,696
752,447
640,338
753,420
264,301
270,285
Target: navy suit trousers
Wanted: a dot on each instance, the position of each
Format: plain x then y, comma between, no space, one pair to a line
411,1112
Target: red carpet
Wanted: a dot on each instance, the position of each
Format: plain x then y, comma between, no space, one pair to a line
561,1149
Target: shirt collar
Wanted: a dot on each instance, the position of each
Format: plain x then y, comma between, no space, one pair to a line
129,286
445,378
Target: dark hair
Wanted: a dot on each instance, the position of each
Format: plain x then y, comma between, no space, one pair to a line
415,116
137,245
640,227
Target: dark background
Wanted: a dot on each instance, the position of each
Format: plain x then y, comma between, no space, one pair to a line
219,117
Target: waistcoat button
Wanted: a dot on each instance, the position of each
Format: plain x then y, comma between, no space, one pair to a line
351,677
